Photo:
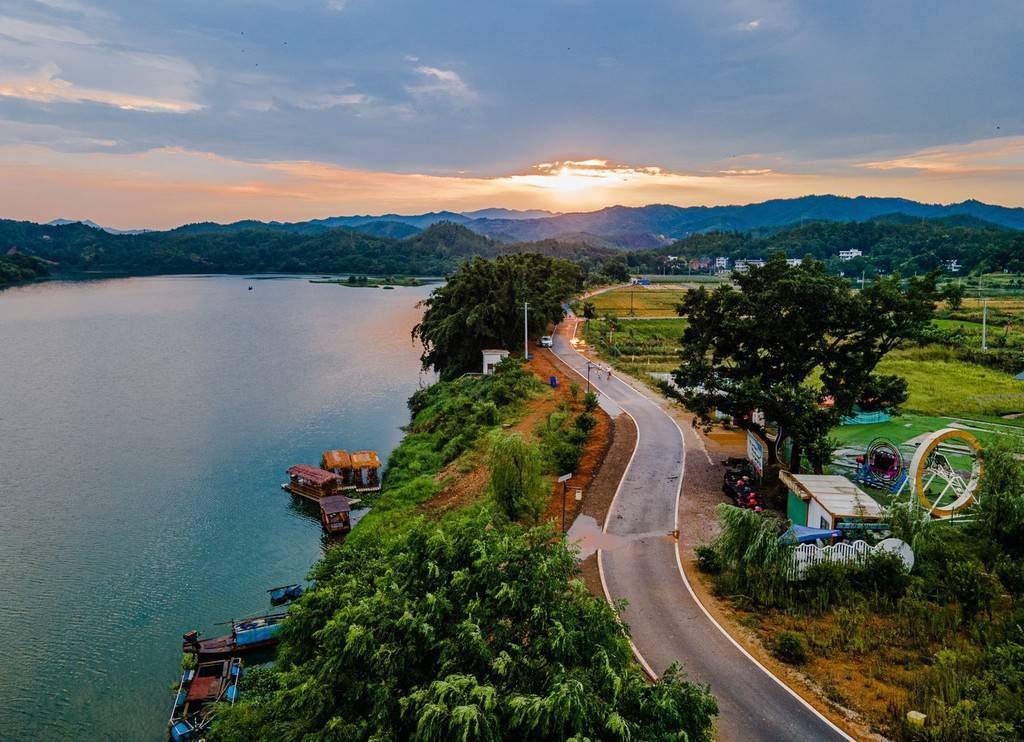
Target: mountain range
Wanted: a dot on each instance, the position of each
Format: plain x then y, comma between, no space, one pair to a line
633,228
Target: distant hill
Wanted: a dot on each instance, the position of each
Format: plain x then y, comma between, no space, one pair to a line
661,222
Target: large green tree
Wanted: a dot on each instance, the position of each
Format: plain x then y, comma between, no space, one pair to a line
798,345
472,630
481,306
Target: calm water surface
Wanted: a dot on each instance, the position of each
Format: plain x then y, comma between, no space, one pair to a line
145,425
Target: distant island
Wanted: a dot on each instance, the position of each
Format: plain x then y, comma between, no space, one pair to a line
388,282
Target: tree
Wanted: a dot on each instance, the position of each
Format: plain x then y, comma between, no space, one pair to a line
517,482
468,630
798,345
481,306
954,295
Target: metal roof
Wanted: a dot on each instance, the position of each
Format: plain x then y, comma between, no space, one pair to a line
335,504
838,495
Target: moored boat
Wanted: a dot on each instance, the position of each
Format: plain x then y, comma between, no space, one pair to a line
251,634
200,688
284,594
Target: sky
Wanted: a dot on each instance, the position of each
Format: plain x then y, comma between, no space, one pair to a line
158,113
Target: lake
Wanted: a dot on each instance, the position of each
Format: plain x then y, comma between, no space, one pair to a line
145,426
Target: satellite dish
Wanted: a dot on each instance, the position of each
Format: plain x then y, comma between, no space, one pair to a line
898,547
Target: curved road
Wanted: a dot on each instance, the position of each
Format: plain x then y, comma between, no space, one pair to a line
666,621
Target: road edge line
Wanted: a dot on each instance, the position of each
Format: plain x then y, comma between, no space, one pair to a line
717,625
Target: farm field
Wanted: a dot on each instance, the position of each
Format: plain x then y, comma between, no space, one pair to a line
647,301
639,346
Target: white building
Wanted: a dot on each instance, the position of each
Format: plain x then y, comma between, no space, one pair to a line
794,262
721,263
952,265
742,266
492,357
845,255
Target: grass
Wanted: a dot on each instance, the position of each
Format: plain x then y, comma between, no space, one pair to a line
647,301
942,385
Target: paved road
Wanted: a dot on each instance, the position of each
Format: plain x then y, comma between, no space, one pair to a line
665,620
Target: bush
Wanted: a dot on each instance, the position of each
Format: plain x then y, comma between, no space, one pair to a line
586,422
566,456
517,483
882,574
972,587
708,559
790,648
590,401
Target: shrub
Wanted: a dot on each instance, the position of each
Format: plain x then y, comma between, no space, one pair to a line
590,401
517,483
487,413
708,559
882,574
972,587
566,456
586,422
790,647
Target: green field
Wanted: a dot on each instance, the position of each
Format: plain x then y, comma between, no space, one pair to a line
641,301
640,346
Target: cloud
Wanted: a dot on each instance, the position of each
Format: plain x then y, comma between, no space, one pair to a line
1002,154
337,5
29,32
440,83
47,87
749,25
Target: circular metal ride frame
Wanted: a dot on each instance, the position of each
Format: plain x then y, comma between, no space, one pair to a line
946,481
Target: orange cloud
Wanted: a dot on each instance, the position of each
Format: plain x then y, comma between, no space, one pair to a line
168,187
1003,154
46,87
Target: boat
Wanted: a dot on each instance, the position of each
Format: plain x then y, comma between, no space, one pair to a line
335,513
200,688
311,482
284,594
248,635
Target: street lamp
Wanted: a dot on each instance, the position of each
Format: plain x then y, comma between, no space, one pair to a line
590,365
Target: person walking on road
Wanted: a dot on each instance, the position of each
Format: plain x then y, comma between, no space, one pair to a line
609,373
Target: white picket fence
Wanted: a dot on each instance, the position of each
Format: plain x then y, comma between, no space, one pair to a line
806,555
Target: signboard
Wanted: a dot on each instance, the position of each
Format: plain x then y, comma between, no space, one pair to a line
755,452
565,477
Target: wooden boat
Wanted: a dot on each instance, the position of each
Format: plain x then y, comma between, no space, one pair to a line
284,594
251,634
200,688
339,462
311,483
335,513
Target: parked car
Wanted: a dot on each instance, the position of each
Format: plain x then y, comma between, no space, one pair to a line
546,341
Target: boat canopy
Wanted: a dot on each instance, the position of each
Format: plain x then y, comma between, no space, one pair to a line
336,460
311,474
365,460
335,504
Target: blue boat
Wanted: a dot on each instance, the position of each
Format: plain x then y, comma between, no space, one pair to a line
251,634
200,688
284,594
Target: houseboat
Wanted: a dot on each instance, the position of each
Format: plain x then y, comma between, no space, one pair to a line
249,635
366,471
311,483
340,463
334,513
200,688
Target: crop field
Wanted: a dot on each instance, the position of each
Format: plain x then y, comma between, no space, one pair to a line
640,346
646,301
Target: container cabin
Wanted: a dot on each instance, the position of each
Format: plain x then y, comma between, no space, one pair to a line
366,471
334,513
828,502
311,483
340,463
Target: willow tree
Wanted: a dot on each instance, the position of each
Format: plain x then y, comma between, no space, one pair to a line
472,630
517,480
800,346
481,306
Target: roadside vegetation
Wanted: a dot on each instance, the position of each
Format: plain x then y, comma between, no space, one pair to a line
945,639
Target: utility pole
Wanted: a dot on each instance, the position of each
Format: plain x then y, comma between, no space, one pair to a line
984,324
526,331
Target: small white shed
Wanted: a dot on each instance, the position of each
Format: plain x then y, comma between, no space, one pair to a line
825,500
492,357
